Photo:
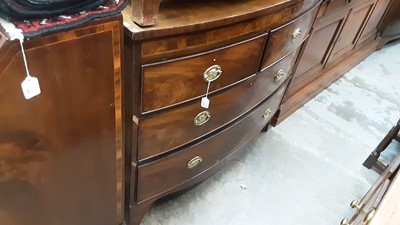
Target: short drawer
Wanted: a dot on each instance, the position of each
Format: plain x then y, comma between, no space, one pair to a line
172,129
172,82
287,38
280,71
160,176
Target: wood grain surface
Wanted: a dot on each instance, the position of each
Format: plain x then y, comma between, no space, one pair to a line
61,152
282,40
166,84
165,131
181,16
173,170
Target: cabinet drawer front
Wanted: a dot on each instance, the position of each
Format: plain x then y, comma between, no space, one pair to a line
169,172
288,37
166,131
200,39
279,72
167,84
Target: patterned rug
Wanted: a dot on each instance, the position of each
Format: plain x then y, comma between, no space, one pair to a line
33,26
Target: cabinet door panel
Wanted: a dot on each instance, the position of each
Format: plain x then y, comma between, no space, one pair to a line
318,48
391,27
371,28
352,29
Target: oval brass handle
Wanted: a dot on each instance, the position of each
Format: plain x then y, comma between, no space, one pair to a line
278,76
267,114
212,73
202,118
356,205
297,33
194,162
345,222
369,216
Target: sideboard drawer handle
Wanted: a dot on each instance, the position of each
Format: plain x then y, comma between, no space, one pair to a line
212,73
194,162
279,75
355,204
369,216
202,118
297,33
345,222
267,114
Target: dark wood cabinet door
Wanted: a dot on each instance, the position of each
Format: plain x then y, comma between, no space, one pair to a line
317,49
61,151
357,18
371,28
390,28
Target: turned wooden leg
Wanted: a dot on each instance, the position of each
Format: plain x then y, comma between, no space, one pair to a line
137,212
144,12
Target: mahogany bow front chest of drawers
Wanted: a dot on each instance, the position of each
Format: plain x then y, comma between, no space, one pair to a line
241,63
105,140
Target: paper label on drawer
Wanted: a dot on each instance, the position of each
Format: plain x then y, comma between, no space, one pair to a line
205,102
30,87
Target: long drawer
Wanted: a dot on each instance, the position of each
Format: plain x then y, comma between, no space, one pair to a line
169,83
287,38
165,131
169,172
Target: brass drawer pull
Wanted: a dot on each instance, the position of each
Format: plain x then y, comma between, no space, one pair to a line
345,222
202,118
212,73
356,205
297,33
194,162
360,209
368,218
267,114
279,75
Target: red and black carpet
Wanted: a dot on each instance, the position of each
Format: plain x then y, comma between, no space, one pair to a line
38,17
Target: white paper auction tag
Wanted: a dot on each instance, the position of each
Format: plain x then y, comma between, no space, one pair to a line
30,87
205,102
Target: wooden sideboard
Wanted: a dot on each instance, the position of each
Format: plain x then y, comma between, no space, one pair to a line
344,33
61,153
245,61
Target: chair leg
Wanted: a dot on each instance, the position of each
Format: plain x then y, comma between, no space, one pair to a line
144,12
373,160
